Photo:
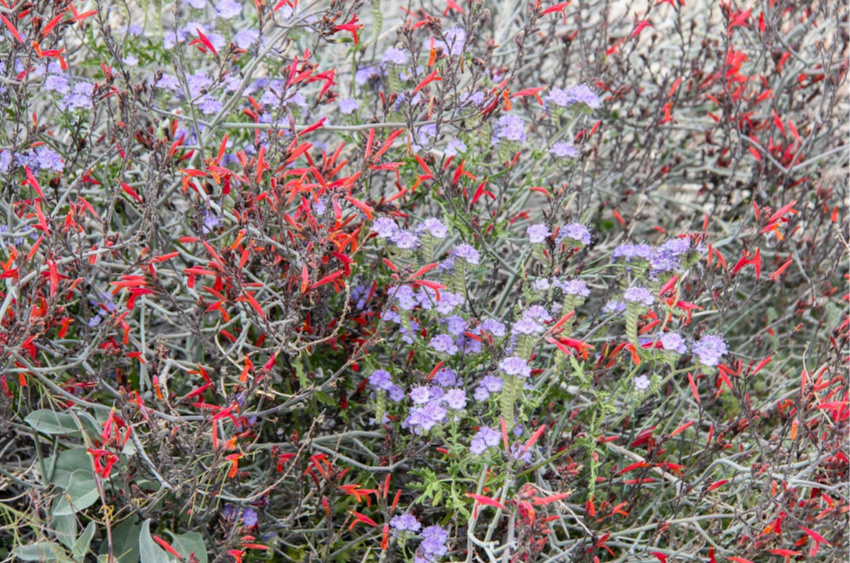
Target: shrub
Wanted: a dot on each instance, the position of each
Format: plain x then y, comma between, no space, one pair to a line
348,281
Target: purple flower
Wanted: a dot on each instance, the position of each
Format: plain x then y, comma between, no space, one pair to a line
559,97
365,74
516,452
445,344
405,523
564,149
434,227
448,301
56,83
5,161
211,221
405,240
46,158
395,393
434,544
614,306
130,60
642,383
515,366
494,327
639,295
455,399
486,437
676,246
381,379
246,38
538,233
79,98
536,313
348,107
510,128
673,342
454,147
710,348
575,232
467,253
420,395
395,56
168,82
94,321
404,297
197,4
453,45
385,227
455,325
582,94
424,418
630,251
209,105
446,377
249,517
574,287
227,9
526,326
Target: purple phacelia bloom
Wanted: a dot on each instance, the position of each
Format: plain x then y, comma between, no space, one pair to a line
538,233
564,149
211,221
433,227
632,251
365,74
381,379
639,295
390,317
395,393
80,97
197,4
515,366
583,94
575,232
642,383
536,313
542,284
405,297
424,418
5,161
710,348
453,45
494,327
444,343
470,346
209,105
434,544
348,107
130,60
448,301
56,83
168,82
197,84
517,453
526,326
455,399
395,56
246,38
614,306
405,240
426,133
509,128
454,147
227,9
466,252
676,246
455,325
135,30
405,523
94,321
486,437
673,342
249,517
446,377
559,97
574,287
46,158
384,227
420,395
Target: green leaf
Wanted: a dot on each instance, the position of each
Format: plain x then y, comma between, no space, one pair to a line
73,473
81,547
41,551
65,530
187,544
125,542
149,550
50,422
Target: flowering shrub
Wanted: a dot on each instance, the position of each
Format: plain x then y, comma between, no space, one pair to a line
476,281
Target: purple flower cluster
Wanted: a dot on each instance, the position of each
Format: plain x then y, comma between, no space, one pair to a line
581,94
710,349
631,252
515,365
486,437
575,234
538,233
564,149
405,523
526,327
673,342
467,253
434,543
382,380
642,383
639,295
509,128
488,385
573,287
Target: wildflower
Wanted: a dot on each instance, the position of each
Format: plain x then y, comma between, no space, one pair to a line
209,105
455,325
583,94
381,379
227,9
434,227
527,327
515,366
673,342
542,284
348,107
211,221
630,251
466,252
5,161
564,149
614,306
454,147
455,399
710,348
516,452
559,97
486,437
80,97
538,233
575,234
443,343
246,38
396,56
639,295
168,82
364,75
384,227
420,395
46,158
405,297
56,83
573,287
424,418
395,393
405,523
494,327
405,240
536,313
509,128
130,60
446,377
434,544
448,302
453,45
249,517
642,383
